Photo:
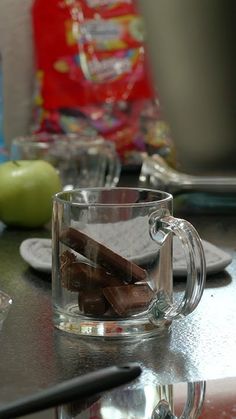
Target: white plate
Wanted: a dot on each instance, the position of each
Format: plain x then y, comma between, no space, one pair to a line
37,253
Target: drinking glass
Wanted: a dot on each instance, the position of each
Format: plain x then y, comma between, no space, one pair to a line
82,161
112,262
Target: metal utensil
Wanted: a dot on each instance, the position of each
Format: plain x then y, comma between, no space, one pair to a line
75,389
156,173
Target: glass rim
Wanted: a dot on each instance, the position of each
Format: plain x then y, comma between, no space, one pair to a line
165,197
45,139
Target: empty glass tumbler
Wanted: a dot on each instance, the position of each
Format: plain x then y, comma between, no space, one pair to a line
82,161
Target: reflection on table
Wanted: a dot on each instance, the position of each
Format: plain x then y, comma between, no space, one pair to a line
214,399
141,400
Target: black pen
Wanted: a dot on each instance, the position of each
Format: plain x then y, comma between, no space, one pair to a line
72,390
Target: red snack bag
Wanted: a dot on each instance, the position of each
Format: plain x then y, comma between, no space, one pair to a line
90,60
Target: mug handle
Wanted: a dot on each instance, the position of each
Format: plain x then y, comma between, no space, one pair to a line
113,168
162,225
193,406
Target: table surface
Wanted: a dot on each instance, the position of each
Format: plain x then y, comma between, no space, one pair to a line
34,355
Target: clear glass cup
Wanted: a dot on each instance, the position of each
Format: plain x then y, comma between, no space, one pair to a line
112,262
82,161
140,401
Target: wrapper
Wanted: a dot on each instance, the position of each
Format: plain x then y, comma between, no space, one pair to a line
92,72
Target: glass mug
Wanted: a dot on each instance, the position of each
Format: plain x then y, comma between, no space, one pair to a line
82,161
147,401
112,262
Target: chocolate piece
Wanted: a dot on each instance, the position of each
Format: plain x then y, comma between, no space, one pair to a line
102,255
76,276
128,299
92,302
71,276
110,313
67,257
68,279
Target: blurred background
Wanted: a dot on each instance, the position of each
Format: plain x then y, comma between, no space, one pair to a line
192,49
192,53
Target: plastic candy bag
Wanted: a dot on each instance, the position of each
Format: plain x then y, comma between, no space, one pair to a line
92,74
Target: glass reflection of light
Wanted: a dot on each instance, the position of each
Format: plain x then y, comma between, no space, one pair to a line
101,329
109,412
151,398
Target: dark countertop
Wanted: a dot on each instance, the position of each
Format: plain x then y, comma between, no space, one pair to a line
34,355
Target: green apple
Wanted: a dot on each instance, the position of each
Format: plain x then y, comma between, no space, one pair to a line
26,190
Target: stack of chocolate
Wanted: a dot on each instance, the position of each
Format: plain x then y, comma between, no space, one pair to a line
108,284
